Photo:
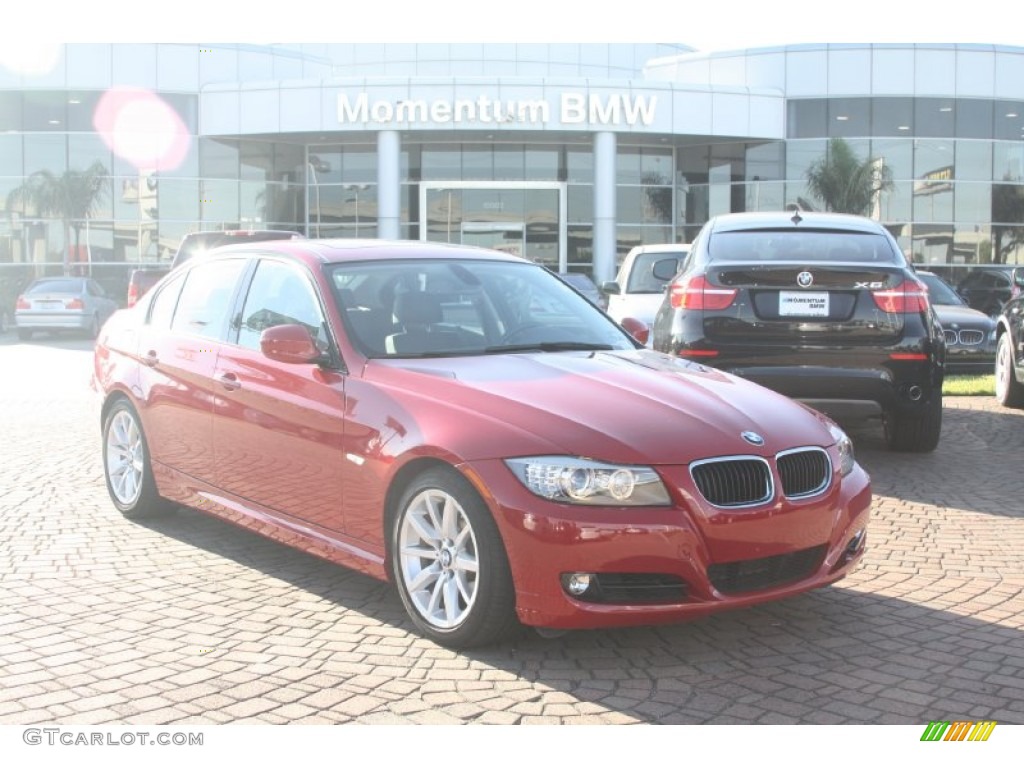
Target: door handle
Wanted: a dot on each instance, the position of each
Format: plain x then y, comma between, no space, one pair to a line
229,381
150,358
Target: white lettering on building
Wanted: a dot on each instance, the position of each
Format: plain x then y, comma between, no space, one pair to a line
574,109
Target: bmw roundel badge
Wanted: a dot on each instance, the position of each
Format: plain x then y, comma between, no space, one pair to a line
752,437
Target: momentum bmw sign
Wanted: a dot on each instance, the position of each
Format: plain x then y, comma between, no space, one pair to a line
572,109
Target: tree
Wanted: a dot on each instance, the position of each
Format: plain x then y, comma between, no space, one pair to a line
73,196
844,182
1007,206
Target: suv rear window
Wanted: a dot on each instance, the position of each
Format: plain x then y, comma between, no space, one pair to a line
803,245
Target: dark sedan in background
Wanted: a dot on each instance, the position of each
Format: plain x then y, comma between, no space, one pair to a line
970,334
824,308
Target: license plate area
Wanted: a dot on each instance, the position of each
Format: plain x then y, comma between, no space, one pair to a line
803,304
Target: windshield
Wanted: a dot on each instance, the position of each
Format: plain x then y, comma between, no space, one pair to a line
939,291
460,307
805,245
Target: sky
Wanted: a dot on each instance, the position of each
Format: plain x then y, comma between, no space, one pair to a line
706,26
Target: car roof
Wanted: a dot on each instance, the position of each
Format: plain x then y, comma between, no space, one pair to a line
737,222
661,248
330,251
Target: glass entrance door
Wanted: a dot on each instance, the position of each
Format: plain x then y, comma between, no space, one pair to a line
498,236
523,218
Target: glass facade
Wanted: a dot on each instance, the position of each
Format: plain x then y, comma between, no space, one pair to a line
953,167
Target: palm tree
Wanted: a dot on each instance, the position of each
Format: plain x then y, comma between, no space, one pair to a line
845,183
73,196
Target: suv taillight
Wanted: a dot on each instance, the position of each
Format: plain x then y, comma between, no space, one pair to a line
133,294
697,293
909,297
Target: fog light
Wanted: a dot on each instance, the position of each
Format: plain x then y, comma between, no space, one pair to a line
855,543
577,583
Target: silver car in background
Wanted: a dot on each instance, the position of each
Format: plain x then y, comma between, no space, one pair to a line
62,304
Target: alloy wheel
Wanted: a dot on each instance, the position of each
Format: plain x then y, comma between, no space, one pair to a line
125,457
438,558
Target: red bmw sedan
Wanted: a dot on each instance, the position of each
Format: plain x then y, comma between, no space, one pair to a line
464,424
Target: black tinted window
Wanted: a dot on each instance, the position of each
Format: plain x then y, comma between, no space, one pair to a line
279,295
805,246
206,298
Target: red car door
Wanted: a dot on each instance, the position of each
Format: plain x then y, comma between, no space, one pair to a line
177,351
278,427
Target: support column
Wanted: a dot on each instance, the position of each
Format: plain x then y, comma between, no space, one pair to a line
389,185
604,207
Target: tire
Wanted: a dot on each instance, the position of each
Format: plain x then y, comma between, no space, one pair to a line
449,562
126,466
1009,391
915,433
24,334
94,327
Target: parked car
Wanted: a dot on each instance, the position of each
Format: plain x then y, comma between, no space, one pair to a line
823,308
62,304
970,335
586,286
438,416
1010,348
194,244
987,288
637,291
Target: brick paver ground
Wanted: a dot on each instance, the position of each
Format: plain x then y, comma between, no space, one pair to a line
191,620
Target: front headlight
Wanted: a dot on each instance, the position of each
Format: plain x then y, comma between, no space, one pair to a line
845,446
582,481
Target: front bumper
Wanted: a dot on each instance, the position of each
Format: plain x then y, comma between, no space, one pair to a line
690,542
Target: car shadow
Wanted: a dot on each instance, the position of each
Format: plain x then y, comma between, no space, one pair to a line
844,654
974,468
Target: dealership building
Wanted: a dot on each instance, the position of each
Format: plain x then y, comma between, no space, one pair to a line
566,154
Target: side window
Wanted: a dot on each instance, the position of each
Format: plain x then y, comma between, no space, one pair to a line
161,310
205,300
279,295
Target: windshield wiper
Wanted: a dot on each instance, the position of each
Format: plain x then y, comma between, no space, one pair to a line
547,346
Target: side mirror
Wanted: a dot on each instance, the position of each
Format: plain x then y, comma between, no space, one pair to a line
637,329
289,344
610,286
665,269
1018,277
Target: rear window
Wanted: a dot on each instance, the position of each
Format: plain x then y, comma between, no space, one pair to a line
641,276
56,286
803,246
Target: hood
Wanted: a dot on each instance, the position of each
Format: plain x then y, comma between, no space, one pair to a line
624,407
962,316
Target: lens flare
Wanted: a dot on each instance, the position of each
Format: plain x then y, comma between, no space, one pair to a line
142,128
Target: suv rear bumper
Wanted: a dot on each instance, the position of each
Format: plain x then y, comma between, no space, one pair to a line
896,386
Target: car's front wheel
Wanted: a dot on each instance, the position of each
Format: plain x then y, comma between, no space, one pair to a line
126,466
449,562
1009,391
917,432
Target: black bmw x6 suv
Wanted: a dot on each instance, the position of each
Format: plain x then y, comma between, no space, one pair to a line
822,307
